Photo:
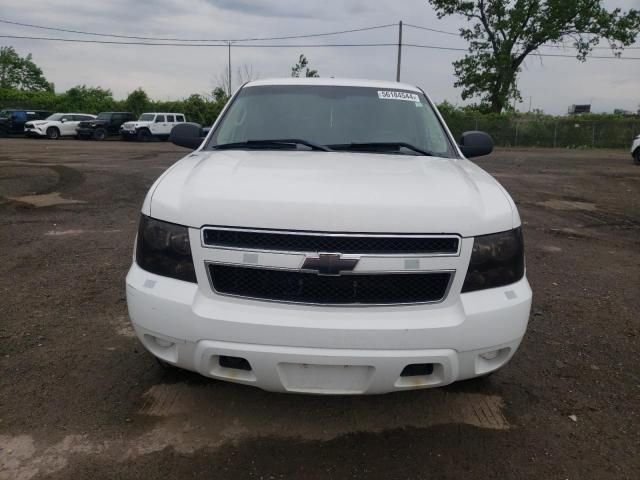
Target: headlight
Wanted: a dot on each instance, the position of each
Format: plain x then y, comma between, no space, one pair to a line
163,248
496,260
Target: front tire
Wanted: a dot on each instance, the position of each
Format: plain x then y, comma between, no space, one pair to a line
53,133
636,156
100,134
144,135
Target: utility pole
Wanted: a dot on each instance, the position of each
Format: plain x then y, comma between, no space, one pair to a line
229,67
399,50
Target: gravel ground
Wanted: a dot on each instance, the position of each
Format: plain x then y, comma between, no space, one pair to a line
80,398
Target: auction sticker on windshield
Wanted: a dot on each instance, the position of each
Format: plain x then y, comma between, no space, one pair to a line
395,95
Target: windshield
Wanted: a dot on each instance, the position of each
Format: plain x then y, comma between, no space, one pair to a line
146,117
55,116
334,116
103,116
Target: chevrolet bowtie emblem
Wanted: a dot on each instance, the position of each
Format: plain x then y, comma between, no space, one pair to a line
329,264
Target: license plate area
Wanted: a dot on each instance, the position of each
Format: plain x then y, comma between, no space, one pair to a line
326,379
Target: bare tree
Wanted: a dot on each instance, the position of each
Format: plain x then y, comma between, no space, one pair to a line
243,74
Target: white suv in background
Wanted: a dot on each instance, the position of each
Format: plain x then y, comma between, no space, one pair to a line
151,125
635,150
330,236
56,126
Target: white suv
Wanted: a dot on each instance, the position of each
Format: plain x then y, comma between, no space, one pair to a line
56,125
635,150
329,236
151,125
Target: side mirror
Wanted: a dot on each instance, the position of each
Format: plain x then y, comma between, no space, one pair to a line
476,144
62,120
188,135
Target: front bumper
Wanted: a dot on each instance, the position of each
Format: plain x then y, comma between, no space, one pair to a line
34,133
330,350
128,134
85,132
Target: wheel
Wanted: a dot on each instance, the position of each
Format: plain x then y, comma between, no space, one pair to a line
53,133
636,156
144,135
100,134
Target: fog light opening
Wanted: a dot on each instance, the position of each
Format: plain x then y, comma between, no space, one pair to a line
237,363
417,370
490,355
161,342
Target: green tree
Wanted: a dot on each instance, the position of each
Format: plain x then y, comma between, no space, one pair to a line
86,99
303,67
137,102
21,73
220,95
502,33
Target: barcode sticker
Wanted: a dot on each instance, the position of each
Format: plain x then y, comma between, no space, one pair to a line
396,95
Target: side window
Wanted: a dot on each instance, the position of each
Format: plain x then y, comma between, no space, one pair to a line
118,118
170,118
159,118
22,116
179,118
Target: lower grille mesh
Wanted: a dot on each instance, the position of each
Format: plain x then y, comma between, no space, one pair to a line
304,287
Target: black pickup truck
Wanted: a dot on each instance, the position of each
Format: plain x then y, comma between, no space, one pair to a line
12,120
105,124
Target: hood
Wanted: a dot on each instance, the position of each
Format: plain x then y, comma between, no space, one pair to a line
337,192
40,122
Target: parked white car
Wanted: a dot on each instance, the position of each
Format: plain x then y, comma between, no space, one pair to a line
330,237
151,125
635,150
56,126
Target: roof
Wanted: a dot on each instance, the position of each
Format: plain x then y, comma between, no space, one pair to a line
342,82
162,113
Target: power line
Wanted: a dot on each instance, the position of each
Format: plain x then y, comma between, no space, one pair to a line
240,45
456,34
226,40
454,49
542,46
287,45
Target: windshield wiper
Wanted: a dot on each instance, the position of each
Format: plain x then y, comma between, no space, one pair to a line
278,143
382,146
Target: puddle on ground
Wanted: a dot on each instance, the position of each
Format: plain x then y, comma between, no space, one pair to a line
191,417
568,205
61,233
45,200
366,413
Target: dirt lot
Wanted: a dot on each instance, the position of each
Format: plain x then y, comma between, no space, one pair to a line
79,398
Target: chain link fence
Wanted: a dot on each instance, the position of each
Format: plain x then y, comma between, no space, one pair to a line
568,132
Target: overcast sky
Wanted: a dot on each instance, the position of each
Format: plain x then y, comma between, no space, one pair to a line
175,72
